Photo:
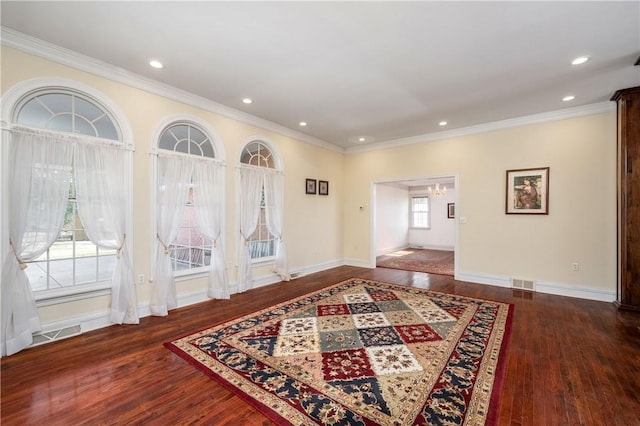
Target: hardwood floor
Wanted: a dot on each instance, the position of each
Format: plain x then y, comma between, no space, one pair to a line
570,362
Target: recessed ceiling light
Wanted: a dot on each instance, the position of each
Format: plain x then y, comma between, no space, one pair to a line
361,139
247,101
302,123
580,60
156,64
568,98
442,123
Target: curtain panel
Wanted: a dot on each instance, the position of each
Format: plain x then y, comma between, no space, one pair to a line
208,202
101,193
39,179
42,166
251,182
176,175
174,179
274,206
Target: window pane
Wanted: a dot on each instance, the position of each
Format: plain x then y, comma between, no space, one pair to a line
87,110
33,113
194,149
57,102
106,129
37,275
84,127
182,146
420,212
190,248
61,123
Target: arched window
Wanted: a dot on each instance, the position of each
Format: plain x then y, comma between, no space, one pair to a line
68,192
190,251
189,209
261,212
72,261
261,243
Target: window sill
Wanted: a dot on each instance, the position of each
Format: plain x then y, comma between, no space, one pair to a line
263,261
191,275
72,294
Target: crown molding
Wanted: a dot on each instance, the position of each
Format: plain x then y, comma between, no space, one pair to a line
562,114
37,47
52,52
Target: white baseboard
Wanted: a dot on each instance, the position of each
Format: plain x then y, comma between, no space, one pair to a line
357,262
391,250
547,287
99,319
432,247
599,294
482,278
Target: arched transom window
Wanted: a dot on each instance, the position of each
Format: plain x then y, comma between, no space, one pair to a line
188,139
257,154
67,111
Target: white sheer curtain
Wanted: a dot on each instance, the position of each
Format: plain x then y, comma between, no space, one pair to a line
207,201
251,182
174,179
101,196
274,205
39,179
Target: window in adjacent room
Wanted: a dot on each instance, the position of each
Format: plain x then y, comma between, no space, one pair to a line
420,211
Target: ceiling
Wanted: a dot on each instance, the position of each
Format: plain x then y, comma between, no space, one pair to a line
382,71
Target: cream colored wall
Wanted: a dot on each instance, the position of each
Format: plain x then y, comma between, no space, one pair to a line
580,227
313,224
324,231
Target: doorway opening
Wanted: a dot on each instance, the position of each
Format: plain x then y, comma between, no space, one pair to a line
413,227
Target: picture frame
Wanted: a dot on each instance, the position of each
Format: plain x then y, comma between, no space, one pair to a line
310,186
527,191
451,210
323,187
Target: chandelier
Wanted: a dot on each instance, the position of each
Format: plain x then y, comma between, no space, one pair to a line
437,192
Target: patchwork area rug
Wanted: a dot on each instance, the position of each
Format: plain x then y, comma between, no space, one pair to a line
361,352
431,261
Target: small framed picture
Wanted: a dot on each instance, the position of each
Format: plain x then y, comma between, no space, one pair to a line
527,191
310,186
323,187
451,210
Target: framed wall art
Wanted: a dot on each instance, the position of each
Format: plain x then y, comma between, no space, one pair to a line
527,191
451,210
323,187
310,186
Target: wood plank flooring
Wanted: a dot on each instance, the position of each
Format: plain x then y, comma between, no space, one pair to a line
570,362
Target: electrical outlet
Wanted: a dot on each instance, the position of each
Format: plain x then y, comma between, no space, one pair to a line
575,266
140,278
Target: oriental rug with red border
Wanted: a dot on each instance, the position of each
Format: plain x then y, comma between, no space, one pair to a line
362,352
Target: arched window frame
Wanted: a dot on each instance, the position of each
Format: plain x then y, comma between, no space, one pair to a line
275,162
218,156
12,101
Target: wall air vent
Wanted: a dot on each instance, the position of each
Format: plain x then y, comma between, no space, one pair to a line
523,284
41,338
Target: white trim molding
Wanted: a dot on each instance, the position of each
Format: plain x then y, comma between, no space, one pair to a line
562,114
547,287
52,52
